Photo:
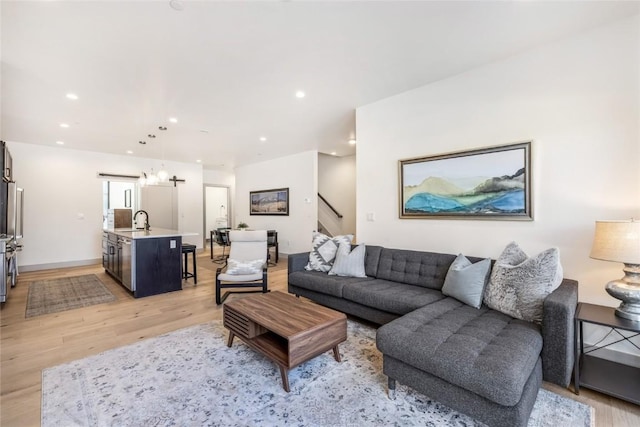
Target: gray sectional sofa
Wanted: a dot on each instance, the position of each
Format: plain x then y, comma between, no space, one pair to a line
478,361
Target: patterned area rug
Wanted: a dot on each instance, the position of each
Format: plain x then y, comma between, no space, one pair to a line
67,293
191,378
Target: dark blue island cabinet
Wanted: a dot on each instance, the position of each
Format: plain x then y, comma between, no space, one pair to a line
157,266
146,262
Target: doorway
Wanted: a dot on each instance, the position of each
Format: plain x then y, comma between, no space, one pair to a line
217,209
118,195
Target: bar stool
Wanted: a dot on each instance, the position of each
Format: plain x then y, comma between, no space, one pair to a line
186,250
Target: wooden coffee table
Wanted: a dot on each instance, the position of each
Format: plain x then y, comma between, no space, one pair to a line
286,329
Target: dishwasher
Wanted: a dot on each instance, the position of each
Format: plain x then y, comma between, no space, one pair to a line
126,247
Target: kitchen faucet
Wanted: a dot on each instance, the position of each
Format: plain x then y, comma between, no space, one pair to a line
146,219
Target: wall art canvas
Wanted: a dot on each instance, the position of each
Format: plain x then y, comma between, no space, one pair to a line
486,183
269,202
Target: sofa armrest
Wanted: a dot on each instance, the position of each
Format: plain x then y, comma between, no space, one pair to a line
297,262
558,333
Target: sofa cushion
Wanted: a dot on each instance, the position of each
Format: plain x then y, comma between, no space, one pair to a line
426,269
322,282
466,281
519,284
392,297
371,260
480,350
349,263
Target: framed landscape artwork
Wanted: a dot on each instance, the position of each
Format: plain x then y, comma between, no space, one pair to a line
269,202
487,183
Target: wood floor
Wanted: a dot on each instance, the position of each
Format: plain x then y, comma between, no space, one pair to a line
30,345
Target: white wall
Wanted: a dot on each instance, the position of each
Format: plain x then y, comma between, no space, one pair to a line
218,177
63,200
337,184
297,172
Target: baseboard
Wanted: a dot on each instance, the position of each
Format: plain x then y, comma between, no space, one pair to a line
38,267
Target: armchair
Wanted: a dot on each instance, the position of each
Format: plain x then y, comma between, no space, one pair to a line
246,266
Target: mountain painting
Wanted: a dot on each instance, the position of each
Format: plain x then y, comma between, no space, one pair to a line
489,183
269,202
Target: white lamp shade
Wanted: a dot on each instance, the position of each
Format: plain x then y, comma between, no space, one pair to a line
617,241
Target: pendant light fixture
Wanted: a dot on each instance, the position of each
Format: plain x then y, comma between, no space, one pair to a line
152,178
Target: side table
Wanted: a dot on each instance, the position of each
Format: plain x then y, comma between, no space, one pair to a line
605,376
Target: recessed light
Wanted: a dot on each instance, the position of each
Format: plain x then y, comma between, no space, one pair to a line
64,125
263,138
129,152
352,141
142,142
60,142
162,127
173,120
151,135
300,94
333,153
198,161
72,96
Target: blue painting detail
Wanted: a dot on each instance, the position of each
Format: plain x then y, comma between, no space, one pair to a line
496,195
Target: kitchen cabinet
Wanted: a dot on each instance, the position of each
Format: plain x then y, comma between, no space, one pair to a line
145,262
111,255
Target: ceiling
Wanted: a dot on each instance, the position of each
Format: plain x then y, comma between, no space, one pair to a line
229,71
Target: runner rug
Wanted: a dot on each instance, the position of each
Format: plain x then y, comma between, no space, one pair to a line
191,378
66,293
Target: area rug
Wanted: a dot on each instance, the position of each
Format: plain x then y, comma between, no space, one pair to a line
66,293
191,378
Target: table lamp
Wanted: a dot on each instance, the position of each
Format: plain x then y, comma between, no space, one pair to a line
619,241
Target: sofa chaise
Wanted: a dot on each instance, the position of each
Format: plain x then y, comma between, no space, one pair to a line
478,361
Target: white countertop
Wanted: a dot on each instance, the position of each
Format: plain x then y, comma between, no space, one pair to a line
153,233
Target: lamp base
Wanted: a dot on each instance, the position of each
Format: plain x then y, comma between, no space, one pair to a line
627,290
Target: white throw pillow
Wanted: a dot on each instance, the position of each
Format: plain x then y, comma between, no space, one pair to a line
519,284
236,267
324,251
466,281
349,263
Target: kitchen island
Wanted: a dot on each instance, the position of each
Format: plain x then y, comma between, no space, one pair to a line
146,262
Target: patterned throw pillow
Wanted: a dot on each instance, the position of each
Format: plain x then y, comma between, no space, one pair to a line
324,251
349,263
236,267
519,284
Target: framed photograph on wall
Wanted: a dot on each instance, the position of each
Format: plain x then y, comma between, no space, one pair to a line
269,202
486,183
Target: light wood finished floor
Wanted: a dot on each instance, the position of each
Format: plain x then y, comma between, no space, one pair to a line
30,345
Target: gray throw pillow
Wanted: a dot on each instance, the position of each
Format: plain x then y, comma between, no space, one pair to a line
466,281
324,249
349,263
519,284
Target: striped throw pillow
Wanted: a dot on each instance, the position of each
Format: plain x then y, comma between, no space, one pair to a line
349,263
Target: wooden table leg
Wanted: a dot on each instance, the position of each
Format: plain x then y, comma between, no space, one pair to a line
285,379
336,353
230,340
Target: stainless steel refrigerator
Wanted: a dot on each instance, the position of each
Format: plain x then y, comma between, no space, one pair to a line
11,227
